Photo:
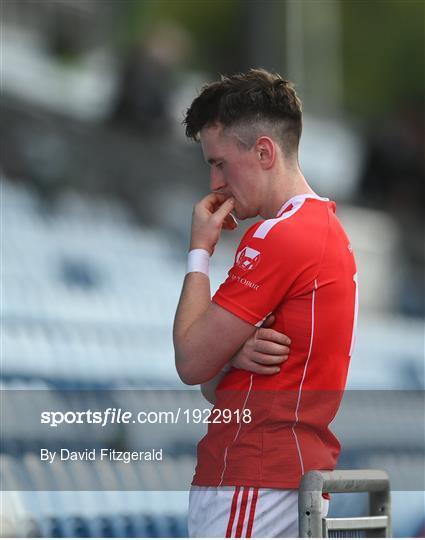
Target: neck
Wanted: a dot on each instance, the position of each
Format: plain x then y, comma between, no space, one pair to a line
282,188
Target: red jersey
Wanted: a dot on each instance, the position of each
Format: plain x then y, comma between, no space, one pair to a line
300,267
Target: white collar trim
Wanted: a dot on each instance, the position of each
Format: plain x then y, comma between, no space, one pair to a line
299,199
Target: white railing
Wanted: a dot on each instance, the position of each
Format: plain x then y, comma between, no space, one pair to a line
314,483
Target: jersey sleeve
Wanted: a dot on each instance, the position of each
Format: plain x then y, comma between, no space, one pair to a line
266,265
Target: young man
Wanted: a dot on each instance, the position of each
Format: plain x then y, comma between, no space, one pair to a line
293,269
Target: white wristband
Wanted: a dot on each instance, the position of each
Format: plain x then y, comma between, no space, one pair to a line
198,260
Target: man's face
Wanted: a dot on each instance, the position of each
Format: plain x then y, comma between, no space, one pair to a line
235,172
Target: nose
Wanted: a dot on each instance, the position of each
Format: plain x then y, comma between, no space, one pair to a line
217,181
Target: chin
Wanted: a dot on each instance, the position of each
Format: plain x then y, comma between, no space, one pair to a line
239,214
243,213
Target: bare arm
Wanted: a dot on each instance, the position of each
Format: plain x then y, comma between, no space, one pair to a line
262,353
202,346
205,335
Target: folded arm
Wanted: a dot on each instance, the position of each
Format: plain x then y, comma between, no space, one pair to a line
262,353
206,336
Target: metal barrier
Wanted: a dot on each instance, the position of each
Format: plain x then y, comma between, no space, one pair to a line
314,483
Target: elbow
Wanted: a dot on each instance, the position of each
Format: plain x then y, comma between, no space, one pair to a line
186,377
189,377
188,373
183,370
190,365
186,368
180,361
190,381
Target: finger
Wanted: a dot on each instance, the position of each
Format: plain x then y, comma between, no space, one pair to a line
230,222
273,335
219,196
209,203
213,201
229,226
268,360
270,347
224,210
270,320
264,370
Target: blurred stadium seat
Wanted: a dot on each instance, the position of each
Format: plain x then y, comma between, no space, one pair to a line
88,299
85,505
88,303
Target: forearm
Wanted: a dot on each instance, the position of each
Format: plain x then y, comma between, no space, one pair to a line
205,335
194,301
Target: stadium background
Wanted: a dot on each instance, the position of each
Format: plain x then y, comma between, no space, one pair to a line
97,188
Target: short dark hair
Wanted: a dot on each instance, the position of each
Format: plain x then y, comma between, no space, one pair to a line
255,102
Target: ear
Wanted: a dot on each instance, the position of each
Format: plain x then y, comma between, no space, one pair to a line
265,149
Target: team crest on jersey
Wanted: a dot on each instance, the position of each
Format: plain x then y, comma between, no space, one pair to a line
247,258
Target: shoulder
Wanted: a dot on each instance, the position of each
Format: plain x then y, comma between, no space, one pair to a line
301,226
279,228
299,232
270,238
308,217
